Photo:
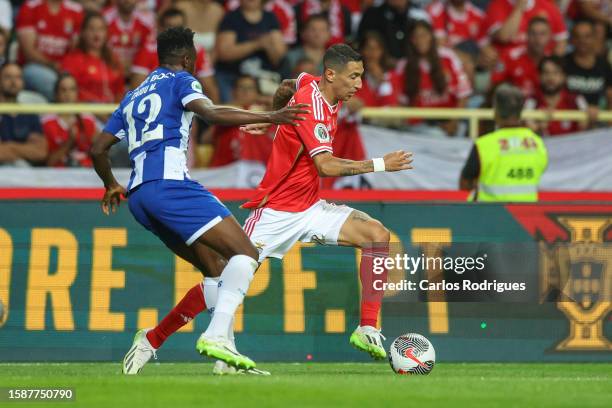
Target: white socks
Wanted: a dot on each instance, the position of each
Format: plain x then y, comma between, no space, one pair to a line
232,288
211,288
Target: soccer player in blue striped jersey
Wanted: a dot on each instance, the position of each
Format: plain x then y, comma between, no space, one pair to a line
156,120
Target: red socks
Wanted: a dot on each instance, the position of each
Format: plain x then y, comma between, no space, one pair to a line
191,305
371,298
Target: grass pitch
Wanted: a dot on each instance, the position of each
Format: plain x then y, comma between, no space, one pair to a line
352,385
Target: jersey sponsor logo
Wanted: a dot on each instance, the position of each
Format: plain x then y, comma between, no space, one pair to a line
321,133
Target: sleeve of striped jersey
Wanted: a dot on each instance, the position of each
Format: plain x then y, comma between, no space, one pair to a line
115,125
314,134
188,89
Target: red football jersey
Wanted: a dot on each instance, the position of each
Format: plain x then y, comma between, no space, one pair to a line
515,66
386,93
56,133
146,61
499,10
568,101
97,81
54,32
232,144
454,25
291,182
126,38
457,87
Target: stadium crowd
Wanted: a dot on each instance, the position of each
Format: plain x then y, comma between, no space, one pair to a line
441,53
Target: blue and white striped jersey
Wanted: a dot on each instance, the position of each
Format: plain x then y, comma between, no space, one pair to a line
154,119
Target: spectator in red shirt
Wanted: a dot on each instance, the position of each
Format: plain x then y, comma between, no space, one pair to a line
95,67
553,95
600,13
69,136
230,142
433,77
507,22
46,30
456,21
146,60
338,15
128,30
519,66
380,83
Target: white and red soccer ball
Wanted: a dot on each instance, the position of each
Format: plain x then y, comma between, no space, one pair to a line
412,353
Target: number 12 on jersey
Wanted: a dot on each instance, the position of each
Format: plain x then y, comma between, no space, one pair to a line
146,134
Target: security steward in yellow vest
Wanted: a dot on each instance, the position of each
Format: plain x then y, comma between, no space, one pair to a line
505,165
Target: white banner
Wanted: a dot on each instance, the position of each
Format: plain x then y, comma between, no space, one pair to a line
579,162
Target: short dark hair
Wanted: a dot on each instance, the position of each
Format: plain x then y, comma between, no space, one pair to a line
315,17
173,43
508,101
558,61
337,56
584,20
538,20
169,13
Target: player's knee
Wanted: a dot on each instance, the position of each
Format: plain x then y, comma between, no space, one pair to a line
244,263
250,251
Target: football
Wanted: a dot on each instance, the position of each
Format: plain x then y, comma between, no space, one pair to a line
412,353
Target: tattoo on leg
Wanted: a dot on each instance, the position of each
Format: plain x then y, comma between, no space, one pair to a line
360,216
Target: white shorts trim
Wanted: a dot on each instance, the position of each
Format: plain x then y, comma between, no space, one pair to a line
202,230
274,232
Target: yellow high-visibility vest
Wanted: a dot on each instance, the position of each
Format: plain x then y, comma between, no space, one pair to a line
512,161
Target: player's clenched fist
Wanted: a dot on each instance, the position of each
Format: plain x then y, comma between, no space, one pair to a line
290,114
399,160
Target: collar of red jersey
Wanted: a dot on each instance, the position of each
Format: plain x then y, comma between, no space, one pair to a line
333,108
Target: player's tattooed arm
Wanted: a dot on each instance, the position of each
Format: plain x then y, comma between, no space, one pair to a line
99,155
330,166
283,94
228,116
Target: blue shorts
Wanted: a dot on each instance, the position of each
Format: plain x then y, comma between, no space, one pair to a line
176,210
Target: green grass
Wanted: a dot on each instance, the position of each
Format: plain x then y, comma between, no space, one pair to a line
319,385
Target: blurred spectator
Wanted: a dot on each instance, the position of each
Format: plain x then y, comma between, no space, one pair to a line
21,139
284,12
519,66
93,5
69,136
6,16
432,77
94,66
553,95
338,15
3,44
205,28
598,11
507,22
456,21
231,143
588,74
392,20
249,42
381,84
128,30
315,36
146,60
303,65
46,30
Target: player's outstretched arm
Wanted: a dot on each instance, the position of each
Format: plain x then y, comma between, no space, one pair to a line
228,116
330,166
99,154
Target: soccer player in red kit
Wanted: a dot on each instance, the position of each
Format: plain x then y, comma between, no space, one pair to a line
286,207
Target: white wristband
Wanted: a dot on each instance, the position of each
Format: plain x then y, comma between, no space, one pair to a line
379,164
